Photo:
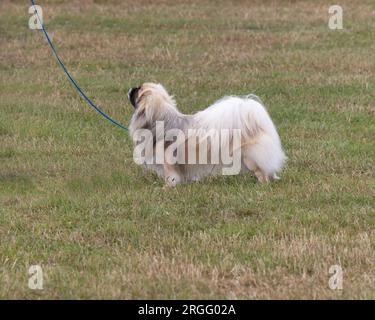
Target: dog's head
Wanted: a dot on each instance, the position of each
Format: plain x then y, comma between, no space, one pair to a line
151,101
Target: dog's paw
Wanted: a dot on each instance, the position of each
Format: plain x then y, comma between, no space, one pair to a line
171,181
262,178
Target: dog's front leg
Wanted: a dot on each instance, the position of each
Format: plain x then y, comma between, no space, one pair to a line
172,175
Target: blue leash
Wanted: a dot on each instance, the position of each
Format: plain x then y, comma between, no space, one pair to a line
100,111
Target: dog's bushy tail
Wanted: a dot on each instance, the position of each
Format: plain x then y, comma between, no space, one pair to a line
266,152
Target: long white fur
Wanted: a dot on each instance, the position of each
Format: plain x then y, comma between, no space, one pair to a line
252,119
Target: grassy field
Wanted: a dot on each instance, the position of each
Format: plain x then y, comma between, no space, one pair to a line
73,201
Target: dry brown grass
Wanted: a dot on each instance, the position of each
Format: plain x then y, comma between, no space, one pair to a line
72,200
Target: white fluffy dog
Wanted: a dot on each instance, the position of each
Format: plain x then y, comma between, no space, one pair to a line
260,145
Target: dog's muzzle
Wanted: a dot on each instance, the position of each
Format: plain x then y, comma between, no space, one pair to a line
133,95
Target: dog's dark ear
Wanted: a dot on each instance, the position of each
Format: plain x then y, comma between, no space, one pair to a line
133,96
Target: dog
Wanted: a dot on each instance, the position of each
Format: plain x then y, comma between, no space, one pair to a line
258,142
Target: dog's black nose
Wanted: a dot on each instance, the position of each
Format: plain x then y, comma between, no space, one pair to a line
132,95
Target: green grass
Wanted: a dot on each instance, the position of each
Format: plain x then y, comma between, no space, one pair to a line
73,201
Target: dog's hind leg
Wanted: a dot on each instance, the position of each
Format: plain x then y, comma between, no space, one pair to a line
252,166
264,156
